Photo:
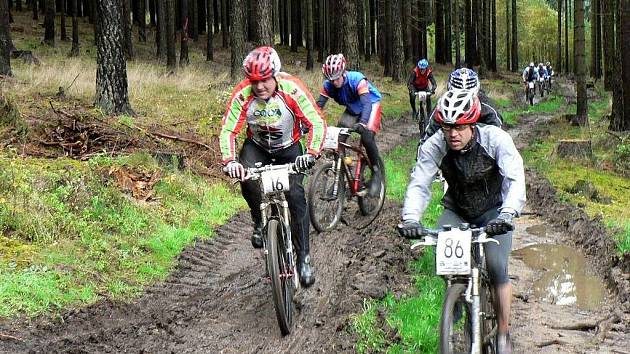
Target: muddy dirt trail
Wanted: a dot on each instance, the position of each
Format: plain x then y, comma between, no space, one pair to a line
218,299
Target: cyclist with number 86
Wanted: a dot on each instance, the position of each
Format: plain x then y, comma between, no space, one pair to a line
486,183
273,105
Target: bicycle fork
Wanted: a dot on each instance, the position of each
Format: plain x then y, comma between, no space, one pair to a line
476,313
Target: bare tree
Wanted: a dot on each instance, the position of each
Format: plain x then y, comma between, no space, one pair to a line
49,23
514,37
5,39
350,38
210,44
263,24
171,58
62,28
237,37
183,49
309,34
160,35
142,21
621,103
559,44
608,21
75,30
398,54
581,118
126,23
111,72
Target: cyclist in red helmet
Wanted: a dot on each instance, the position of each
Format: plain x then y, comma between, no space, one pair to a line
362,100
273,106
486,187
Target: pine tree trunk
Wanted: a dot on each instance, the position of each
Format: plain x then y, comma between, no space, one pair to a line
296,25
594,58
608,21
75,30
448,33
111,71
210,19
350,39
493,51
566,36
621,103
183,48
193,20
5,40
309,34
18,5
35,14
142,21
398,54
581,118
481,35
171,58
559,44
372,27
161,34
321,26
237,38
224,22
514,51
439,32
458,34
263,25
153,13
387,39
470,34
361,25
127,28
63,35
49,23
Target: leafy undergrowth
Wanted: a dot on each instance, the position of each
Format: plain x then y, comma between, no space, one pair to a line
601,170
413,317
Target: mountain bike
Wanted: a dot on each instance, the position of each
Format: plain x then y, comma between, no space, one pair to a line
277,245
468,323
344,178
541,86
423,110
530,92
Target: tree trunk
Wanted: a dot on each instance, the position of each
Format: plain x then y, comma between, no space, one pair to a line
263,25
493,43
387,39
153,13
183,48
160,36
371,29
224,21
127,26
581,118
514,52
49,23
236,40
5,39
63,35
608,21
621,120
142,21
566,36
210,19
171,58
448,33
309,34
594,46
34,4
321,28
193,20
458,33
398,54
350,39
111,71
296,25
18,5
359,5
481,35
558,62
75,30
439,32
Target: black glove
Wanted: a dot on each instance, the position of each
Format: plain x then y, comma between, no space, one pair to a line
502,224
304,162
359,128
410,229
433,91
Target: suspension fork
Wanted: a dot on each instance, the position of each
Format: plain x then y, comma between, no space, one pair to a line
476,313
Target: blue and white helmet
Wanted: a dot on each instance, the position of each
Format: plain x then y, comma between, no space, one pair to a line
464,79
423,64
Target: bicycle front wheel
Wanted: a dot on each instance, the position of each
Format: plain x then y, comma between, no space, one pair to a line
326,193
456,322
370,206
280,274
489,326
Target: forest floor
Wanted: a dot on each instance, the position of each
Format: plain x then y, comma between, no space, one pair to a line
218,300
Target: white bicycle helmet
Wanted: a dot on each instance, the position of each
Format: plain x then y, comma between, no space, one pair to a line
334,66
458,107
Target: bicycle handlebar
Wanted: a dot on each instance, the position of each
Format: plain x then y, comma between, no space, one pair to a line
253,173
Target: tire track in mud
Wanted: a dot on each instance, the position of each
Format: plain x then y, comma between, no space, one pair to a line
218,299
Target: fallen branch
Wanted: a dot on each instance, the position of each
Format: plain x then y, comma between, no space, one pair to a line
61,112
579,326
179,138
7,336
551,342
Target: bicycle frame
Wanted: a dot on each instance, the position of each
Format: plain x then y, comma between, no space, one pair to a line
353,177
472,280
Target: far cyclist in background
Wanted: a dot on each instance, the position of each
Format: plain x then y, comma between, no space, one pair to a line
467,79
549,72
362,100
529,74
419,80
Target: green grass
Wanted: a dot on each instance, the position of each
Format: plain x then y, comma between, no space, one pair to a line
72,237
415,316
552,104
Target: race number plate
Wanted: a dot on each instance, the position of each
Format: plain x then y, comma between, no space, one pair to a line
422,95
531,84
332,138
275,181
452,255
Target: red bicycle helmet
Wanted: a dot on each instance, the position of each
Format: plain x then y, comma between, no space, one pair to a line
261,63
458,107
334,66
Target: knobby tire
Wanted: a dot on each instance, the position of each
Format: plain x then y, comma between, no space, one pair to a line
281,287
455,336
369,206
325,214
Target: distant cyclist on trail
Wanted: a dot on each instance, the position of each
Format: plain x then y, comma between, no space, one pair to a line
466,79
529,74
273,106
549,72
486,187
419,80
362,100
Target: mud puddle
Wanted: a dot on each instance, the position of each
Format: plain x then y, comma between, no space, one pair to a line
563,276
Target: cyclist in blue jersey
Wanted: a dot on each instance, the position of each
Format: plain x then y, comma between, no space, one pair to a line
363,108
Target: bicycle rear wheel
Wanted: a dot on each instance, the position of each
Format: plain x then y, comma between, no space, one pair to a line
280,274
324,206
456,322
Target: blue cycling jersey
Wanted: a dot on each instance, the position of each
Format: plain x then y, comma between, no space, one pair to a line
349,94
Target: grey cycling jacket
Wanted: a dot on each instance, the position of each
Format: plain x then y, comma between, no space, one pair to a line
489,174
